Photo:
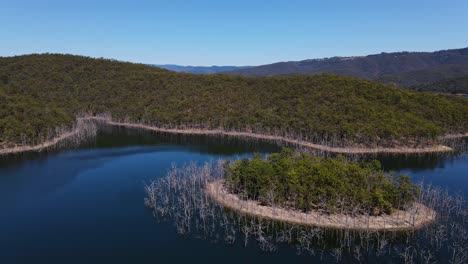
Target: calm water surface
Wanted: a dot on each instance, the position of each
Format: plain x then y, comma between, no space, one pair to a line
86,205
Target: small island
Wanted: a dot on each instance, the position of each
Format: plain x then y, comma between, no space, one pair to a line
324,192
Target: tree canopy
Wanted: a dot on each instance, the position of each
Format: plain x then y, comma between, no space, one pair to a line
41,92
306,182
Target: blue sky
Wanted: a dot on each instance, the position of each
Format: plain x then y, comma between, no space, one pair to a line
237,32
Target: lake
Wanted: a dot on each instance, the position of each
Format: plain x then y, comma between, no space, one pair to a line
86,205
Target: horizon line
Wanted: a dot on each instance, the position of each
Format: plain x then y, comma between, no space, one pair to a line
227,65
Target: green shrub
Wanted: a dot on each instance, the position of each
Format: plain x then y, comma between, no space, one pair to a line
307,182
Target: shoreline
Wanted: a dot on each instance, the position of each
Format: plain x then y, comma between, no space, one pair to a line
454,136
339,150
414,218
42,146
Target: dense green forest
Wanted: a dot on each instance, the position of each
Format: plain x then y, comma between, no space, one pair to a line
306,182
426,77
457,85
41,92
23,117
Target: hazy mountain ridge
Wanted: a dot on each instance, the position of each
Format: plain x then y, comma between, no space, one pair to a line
199,69
397,67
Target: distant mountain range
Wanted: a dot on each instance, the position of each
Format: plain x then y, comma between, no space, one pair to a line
367,67
413,70
407,69
200,69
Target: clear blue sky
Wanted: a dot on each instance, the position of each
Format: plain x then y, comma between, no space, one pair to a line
236,32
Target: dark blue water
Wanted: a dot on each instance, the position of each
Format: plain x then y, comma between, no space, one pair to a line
86,205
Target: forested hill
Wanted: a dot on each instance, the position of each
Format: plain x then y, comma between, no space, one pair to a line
426,76
457,85
401,68
41,92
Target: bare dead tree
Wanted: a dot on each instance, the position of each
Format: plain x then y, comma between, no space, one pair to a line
180,197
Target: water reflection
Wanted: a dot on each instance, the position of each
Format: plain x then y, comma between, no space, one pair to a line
87,203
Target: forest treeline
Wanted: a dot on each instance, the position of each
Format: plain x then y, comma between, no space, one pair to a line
39,93
306,182
457,85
